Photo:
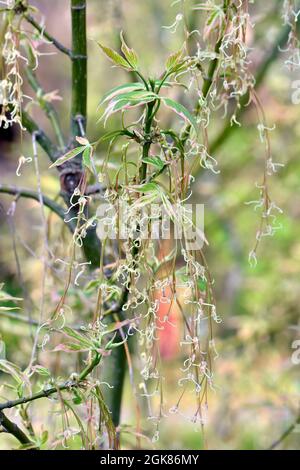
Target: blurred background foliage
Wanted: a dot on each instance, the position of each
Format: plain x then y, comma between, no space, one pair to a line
257,391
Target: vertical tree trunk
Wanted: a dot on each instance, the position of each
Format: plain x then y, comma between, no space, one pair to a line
79,67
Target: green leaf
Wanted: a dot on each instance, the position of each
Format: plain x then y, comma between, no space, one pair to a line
75,335
137,95
44,438
68,156
13,370
87,157
120,89
165,84
181,110
128,100
92,285
41,370
173,60
8,309
182,65
146,188
129,54
115,57
4,296
155,161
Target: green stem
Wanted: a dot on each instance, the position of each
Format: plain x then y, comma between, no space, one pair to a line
79,67
90,367
147,144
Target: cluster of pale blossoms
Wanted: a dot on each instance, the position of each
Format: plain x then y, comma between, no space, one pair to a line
11,95
290,16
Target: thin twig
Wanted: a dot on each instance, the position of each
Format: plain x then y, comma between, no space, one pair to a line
13,429
67,385
48,36
28,193
20,318
286,433
29,321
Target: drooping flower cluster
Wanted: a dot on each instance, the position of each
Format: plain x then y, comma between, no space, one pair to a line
290,16
11,94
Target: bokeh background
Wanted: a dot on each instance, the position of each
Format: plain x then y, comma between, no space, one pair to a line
257,392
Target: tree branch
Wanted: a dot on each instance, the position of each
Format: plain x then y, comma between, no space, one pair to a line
28,193
48,36
286,433
29,321
13,429
64,386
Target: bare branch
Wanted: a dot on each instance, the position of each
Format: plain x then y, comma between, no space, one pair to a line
69,384
286,433
48,36
28,193
29,321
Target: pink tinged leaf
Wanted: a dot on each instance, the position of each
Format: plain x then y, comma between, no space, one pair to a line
120,90
128,100
129,54
181,110
82,140
103,352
